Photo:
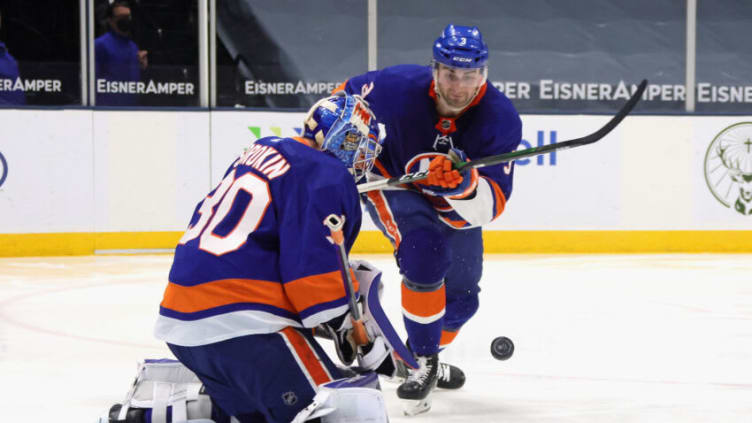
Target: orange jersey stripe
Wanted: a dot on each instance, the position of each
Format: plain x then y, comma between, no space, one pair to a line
304,141
190,299
307,356
447,337
381,168
501,200
423,304
340,87
356,284
385,216
455,223
317,289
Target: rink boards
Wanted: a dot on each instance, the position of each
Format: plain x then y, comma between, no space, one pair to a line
76,181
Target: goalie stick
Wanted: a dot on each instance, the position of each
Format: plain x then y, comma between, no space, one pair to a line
519,154
372,305
335,224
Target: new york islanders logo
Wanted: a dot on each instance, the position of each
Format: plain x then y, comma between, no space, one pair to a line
728,167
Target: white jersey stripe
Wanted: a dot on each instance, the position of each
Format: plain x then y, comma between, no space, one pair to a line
189,333
423,320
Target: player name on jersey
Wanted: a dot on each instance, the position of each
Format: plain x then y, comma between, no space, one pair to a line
265,159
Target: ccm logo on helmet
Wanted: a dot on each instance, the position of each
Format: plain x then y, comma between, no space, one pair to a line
462,59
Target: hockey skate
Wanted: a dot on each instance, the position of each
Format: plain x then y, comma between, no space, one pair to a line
418,386
450,376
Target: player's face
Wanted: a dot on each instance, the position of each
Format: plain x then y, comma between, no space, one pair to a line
457,86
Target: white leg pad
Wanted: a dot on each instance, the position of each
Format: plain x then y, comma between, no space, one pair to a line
167,383
345,403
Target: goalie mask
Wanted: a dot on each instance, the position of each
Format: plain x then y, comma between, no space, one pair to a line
344,126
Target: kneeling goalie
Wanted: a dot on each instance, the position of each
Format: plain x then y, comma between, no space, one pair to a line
254,274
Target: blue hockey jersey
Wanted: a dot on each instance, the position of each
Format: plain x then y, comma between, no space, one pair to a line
404,99
255,257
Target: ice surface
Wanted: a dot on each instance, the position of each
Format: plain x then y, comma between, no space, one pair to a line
617,338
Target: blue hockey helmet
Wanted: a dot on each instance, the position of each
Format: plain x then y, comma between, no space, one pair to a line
461,47
344,126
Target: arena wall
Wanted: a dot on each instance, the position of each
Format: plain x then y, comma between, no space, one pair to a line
81,181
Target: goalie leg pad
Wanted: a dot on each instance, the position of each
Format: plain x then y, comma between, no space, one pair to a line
351,400
164,391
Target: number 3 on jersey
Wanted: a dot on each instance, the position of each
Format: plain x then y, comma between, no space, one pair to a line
223,199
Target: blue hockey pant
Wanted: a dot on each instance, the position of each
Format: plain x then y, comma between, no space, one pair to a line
261,378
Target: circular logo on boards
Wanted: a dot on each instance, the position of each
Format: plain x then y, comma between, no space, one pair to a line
3,169
728,167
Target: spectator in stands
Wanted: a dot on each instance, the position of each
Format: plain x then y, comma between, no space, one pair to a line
8,76
117,56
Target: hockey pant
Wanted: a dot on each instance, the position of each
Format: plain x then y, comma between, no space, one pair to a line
441,266
261,378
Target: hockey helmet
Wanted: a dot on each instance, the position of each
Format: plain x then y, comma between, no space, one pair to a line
343,125
461,47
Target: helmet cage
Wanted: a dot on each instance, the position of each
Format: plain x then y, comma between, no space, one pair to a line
346,128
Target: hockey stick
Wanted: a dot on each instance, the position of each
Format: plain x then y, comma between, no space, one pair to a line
335,224
519,154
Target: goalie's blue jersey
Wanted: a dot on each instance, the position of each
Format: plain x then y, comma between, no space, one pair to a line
256,258
403,98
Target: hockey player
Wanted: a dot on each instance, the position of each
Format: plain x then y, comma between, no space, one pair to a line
436,115
254,272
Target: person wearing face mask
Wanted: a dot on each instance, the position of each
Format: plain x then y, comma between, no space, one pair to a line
117,56
9,71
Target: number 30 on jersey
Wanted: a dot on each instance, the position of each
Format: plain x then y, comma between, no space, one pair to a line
223,198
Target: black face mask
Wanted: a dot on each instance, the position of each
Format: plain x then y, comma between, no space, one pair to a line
124,24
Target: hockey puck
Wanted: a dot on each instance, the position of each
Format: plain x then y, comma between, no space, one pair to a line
502,348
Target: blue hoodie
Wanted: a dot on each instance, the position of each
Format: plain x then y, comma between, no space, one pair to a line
9,72
116,60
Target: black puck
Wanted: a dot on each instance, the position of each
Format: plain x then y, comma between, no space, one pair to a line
502,348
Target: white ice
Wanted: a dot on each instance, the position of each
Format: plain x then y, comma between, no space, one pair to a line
599,338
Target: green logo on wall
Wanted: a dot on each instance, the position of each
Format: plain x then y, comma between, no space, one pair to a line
256,130
728,167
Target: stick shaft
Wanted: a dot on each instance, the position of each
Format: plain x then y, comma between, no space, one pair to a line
519,154
335,224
